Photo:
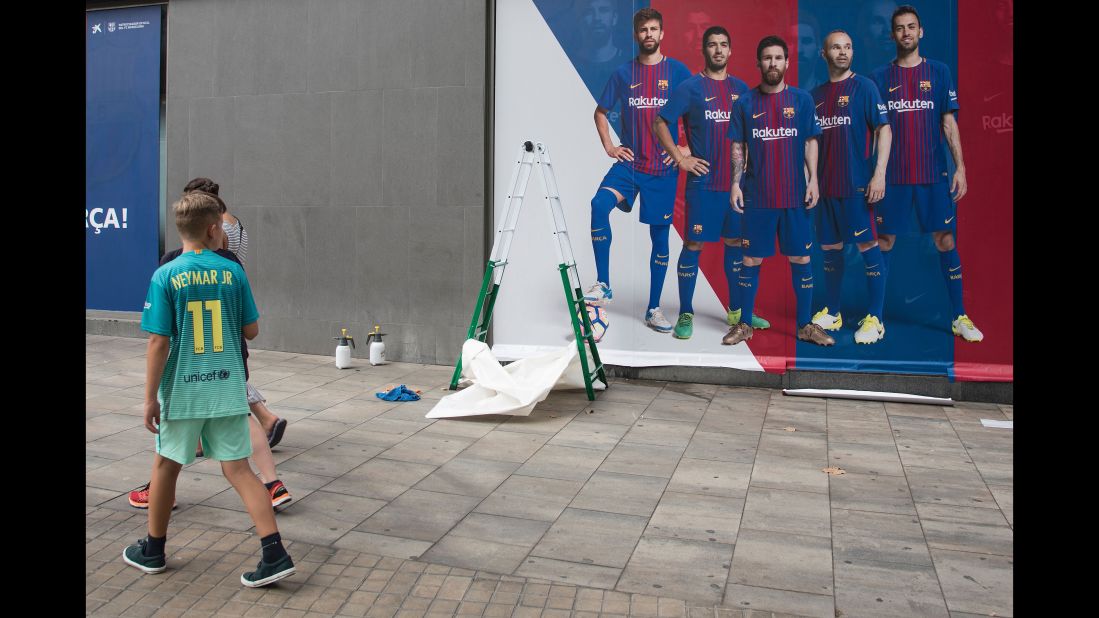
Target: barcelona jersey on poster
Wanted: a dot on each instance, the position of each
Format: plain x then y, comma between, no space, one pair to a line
917,97
642,89
775,127
850,111
708,105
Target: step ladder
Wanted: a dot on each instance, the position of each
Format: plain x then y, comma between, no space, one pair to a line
531,154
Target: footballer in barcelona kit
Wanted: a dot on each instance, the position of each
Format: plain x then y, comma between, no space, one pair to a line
639,88
921,99
776,125
705,103
854,149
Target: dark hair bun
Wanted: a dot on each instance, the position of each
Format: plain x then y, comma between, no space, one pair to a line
202,184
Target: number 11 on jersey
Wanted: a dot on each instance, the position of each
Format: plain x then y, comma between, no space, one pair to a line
194,307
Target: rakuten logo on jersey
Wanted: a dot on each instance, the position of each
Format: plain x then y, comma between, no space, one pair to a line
769,134
646,102
718,115
831,122
910,106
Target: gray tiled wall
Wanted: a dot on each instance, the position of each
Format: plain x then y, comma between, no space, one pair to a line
348,136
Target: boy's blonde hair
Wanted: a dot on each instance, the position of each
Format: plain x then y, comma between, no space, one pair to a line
196,211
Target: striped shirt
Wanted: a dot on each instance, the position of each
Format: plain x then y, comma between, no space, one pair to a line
850,111
775,126
706,105
642,89
917,98
238,239
201,300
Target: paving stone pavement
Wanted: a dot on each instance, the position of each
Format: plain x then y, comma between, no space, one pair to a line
658,499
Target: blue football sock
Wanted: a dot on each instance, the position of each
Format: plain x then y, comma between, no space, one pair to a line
802,276
749,285
601,206
875,279
734,260
951,264
687,270
833,279
658,262
886,259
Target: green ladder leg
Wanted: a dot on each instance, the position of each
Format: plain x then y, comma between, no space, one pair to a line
482,315
581,326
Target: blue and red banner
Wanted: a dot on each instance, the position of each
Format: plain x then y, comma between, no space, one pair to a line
553,58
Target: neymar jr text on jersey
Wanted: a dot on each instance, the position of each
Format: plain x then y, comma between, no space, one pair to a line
202,277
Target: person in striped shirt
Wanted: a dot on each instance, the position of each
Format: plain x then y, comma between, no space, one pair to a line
921,98
640,86
236,237
774,132
853,118
704,101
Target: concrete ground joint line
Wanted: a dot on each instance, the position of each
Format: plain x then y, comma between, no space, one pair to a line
662,492
908,485
588,478
831,522
744,509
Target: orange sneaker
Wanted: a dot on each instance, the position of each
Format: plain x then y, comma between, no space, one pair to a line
139,498
279,494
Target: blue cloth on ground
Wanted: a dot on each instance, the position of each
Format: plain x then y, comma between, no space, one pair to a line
400,393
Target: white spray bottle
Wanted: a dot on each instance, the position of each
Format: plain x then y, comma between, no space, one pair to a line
343,352
377,348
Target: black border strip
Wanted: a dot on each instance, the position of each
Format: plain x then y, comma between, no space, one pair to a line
490,132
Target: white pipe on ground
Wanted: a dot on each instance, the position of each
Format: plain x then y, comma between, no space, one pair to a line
839,393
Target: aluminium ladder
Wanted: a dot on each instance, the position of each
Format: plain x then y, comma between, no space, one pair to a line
531,154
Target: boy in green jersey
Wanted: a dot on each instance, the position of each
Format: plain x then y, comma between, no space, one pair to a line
197,308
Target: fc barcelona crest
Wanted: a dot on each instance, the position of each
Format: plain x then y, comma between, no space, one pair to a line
734,97
925,85
663,84
788,112
744,241
843,101
697,229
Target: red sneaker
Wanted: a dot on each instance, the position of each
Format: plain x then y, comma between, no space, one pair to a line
139,498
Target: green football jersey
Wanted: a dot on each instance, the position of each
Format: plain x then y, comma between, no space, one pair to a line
201,301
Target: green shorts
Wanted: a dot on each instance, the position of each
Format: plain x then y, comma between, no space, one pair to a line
225,438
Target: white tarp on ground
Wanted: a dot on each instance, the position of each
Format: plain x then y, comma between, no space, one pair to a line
514,389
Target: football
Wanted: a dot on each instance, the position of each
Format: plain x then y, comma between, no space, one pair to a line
599,322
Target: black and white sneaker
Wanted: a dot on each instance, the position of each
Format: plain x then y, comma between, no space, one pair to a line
134,556
268,573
